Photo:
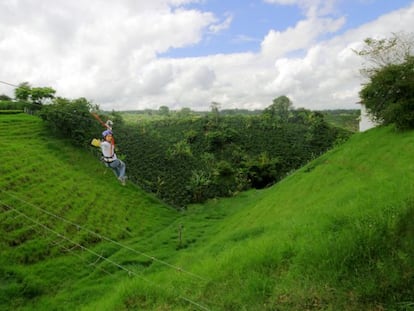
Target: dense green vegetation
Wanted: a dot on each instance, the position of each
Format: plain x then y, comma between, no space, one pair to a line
334,235
343,118
71,119
185,157
8,105
389,96
188,160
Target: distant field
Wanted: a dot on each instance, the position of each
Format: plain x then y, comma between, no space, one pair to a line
347,119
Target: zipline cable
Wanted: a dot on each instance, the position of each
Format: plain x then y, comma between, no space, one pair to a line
130,272
106,238
7,83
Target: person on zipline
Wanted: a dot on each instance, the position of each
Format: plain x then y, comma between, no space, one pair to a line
109,156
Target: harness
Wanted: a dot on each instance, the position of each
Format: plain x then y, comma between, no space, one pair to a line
110,159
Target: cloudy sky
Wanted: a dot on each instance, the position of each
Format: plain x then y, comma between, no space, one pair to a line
138,54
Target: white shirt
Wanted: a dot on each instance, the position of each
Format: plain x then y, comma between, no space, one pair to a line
108,151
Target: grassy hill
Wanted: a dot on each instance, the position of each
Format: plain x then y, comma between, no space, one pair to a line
335,235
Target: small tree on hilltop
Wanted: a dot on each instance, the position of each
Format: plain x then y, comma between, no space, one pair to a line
36,95
389,97
379,53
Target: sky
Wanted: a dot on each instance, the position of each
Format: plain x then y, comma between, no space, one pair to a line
141,54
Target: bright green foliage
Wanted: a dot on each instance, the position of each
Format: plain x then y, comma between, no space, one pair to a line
188,160
166,155
34,95
12,105
72,120
39,94
22,92
389,96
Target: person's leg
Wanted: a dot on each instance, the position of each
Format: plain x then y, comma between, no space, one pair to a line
113,169
114,165
119,168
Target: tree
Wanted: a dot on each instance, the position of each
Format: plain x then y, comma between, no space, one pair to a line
184,112
4,97
280,109
164,111
71,119
380,53
37,95
22,92
41,94
389,96
215,110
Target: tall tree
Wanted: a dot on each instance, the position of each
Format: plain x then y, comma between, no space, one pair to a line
215,110
280,109
23,91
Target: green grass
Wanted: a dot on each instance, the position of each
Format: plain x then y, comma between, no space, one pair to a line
11,111
335,235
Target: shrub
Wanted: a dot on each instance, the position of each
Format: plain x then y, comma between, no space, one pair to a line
71,119
389,96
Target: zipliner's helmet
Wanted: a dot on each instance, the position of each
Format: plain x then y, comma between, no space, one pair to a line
106,133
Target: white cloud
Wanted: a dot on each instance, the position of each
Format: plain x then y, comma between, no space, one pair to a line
311,8
215,28
87,48
109,53
305,32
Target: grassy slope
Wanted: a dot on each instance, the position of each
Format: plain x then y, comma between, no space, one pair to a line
39,173
335,235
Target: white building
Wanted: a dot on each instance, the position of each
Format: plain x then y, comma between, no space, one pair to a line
365,123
